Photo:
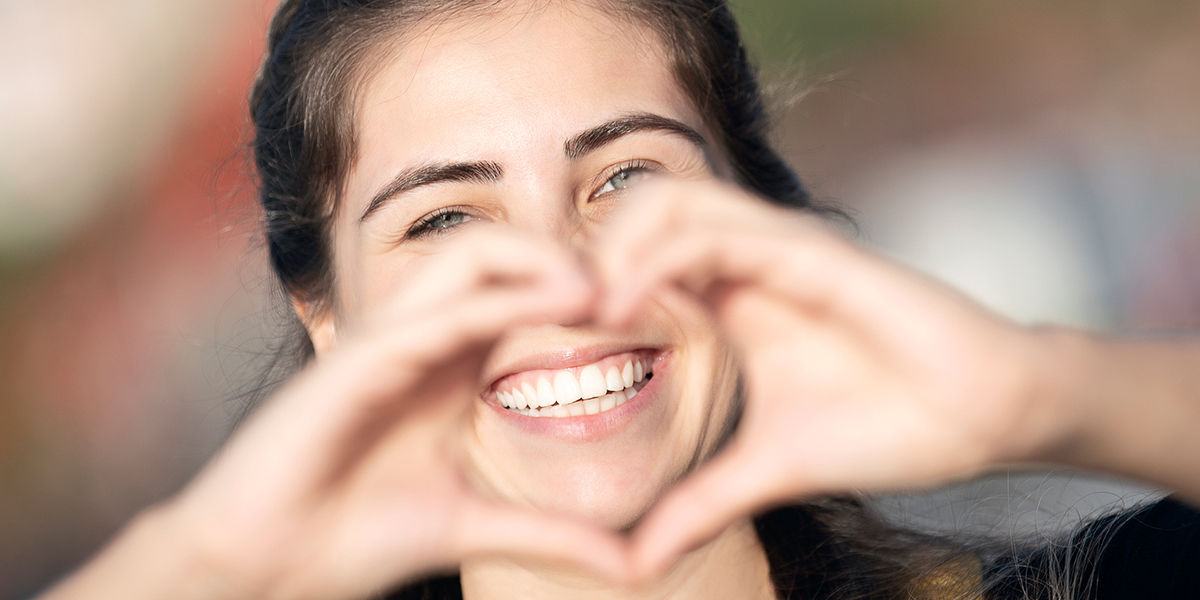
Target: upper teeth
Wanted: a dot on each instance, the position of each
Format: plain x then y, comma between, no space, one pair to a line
598,387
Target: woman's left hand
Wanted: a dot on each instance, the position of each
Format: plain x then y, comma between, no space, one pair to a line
860,375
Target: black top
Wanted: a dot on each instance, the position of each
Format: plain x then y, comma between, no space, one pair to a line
1147,553
1155,553
1151,552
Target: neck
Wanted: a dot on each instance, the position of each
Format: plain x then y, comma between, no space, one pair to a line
731,566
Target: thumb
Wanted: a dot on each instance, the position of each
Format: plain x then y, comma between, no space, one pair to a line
733,485
486,528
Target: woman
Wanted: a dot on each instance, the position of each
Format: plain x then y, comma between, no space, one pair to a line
547,304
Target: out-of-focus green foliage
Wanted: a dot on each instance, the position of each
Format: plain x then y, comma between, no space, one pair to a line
785,34
781,32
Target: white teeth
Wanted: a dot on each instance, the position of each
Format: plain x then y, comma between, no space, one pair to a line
579,408
612,380
545,393
593,392
608,402
591,383
566,388
529,395
592,406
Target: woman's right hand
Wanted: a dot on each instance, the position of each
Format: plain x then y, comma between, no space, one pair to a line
347,481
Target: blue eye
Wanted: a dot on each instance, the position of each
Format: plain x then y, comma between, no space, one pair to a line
437,222
445,220
624,178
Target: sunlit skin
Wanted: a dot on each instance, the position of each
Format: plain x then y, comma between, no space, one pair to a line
509,92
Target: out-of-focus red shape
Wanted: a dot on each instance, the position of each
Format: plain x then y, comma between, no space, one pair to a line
100,326
101,418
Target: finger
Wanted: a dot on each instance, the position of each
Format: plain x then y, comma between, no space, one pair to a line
696,235
482,318
400,357
705,259
664,207
653,211
409,346
732,486
486,257
661,209
329,406
486,529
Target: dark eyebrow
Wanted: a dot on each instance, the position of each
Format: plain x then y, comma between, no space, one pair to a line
469,172
605,133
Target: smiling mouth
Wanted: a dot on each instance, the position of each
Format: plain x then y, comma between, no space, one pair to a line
584,390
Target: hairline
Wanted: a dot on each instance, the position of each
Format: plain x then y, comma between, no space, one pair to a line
377,58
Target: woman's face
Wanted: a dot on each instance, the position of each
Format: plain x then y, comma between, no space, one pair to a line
552,113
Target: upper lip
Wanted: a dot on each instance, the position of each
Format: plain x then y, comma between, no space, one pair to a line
561,356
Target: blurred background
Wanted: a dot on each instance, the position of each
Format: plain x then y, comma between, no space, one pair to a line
1043,156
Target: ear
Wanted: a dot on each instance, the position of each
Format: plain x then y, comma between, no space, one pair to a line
320,323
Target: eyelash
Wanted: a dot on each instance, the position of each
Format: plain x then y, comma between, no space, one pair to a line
627,167
424,226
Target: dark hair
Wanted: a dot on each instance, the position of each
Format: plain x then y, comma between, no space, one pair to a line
319,54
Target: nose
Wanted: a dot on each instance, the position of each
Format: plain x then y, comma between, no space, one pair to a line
551,212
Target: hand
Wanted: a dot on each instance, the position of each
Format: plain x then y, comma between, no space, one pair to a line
347,482
859,374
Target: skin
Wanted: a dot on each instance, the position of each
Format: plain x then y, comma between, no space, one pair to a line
382,462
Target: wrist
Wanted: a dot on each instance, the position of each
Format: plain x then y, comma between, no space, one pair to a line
1052,423
1106,395
1138,407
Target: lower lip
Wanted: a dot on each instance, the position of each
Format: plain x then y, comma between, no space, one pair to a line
590,427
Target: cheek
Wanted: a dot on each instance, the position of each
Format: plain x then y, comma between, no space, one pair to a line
371,282
709,380
350,272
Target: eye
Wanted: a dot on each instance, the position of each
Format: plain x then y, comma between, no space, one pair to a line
437,222
625,176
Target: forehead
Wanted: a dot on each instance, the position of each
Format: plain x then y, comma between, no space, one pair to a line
514,81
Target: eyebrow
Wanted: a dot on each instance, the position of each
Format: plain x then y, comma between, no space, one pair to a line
489,172
606,133
466,172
